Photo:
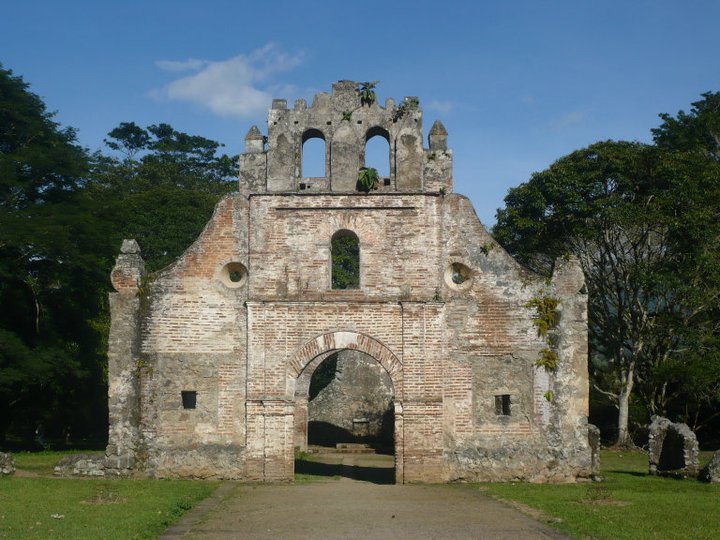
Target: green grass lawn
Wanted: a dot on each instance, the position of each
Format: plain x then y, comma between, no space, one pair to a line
627,504
77,508
44,462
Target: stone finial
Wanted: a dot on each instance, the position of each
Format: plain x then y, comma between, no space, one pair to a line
129,268
438,128
129,247
437,137
254,141
254,134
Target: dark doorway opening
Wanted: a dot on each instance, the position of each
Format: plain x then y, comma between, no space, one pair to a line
351,420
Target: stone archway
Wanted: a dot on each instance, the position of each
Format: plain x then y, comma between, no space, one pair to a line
314,352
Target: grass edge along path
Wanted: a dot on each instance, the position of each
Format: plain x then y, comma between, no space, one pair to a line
42,506
628,504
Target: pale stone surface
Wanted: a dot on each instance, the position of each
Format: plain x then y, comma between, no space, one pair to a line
7,464
81,465
452,346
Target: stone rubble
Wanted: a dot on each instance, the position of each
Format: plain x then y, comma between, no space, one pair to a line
7,464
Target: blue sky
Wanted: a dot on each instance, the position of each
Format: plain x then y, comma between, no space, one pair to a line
518,84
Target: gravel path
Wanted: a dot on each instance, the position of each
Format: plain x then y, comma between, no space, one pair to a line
345,507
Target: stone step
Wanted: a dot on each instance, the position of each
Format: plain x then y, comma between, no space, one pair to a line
343,448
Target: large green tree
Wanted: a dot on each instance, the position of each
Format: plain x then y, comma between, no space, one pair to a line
51,260
636,216
63,215
696,131
695,375
160,187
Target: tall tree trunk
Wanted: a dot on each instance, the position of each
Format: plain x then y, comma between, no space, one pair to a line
624,407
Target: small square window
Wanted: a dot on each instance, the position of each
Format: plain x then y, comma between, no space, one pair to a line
189,399
502,405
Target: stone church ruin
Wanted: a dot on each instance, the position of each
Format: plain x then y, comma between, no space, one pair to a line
473,367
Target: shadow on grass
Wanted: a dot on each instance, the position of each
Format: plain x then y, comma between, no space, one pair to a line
628,473
375,475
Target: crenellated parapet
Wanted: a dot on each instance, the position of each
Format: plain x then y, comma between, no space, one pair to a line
345,123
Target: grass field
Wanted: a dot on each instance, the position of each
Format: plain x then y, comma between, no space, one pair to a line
628,504
78,508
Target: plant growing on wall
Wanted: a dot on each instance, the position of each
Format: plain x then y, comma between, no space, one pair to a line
367,179
366,91
545,319
547,359
546,313
408,104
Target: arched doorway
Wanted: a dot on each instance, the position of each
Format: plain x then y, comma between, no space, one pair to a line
358,422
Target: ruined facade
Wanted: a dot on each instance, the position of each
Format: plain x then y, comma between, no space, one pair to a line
210,359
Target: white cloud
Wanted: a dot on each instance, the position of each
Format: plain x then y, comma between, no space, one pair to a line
567,119
440,106
191,64
234,87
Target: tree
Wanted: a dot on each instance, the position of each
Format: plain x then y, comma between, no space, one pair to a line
51,259
62,218
628,212
693,379
163,190
698,130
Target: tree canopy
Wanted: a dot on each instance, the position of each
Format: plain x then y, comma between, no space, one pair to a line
643,221
63,215
51,269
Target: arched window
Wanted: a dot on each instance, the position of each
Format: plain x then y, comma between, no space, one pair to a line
345,254
377,151
313,154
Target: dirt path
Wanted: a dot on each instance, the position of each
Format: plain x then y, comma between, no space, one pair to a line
348,508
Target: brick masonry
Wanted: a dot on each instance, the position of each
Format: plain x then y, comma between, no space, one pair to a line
242,319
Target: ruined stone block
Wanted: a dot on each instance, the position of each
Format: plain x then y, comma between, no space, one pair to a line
711,471
672,449
7,464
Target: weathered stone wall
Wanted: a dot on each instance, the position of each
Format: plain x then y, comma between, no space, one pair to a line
238,324
193,333
399,246
356,402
